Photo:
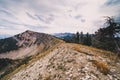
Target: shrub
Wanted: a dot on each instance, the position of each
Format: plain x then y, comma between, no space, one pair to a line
101,66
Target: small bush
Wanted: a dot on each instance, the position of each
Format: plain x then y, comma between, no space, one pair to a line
101,66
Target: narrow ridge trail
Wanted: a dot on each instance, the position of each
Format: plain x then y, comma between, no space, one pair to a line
71,62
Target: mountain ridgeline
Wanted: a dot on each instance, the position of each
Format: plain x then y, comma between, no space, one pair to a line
26,44
19,49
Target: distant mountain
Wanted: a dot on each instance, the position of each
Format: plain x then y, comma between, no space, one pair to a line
3,36
19,49
61,35
68,37
25,44
65,36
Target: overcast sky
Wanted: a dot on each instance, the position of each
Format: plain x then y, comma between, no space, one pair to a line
54,16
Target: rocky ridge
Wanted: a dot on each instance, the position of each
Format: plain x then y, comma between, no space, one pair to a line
71,62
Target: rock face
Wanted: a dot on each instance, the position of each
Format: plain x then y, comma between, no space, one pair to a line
25,44
71,62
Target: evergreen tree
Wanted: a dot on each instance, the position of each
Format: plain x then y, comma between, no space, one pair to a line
105,37
87,39
77,37
81,38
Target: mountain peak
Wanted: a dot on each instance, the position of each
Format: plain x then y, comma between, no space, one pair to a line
16,49
25,40
28,31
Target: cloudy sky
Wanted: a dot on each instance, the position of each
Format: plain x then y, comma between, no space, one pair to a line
54,16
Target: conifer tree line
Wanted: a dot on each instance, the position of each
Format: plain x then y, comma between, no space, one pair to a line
81,38
107,38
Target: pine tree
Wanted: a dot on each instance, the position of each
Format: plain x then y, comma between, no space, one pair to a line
87,39
81,38
77,37
105,37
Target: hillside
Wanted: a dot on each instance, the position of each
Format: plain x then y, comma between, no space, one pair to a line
26,44
19,49
70,62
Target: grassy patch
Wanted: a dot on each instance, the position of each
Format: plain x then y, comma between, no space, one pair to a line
94,51
101,66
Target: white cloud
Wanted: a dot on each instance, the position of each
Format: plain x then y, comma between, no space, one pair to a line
51,16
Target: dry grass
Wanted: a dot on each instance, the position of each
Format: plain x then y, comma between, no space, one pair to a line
94,51
48,78
101,66
81,51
